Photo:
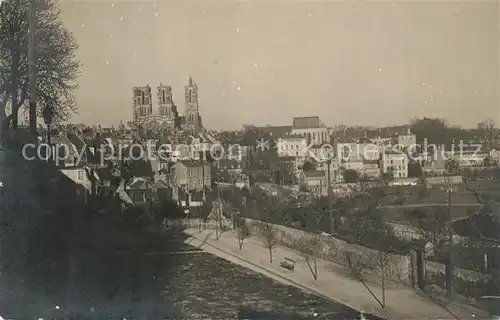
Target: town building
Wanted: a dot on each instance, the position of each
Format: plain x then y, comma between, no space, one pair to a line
292,146
192,175
165,115
395,162
315,181
312,128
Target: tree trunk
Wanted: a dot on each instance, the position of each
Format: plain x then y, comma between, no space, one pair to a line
383,288
4,123
48,135
14,91
315,270
270,255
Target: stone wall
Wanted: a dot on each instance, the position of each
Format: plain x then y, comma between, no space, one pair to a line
398,267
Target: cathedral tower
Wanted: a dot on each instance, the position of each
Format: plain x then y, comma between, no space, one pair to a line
143,102
191,113
166,107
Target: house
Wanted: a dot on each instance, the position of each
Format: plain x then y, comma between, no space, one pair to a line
80,175
193,175
140,191
371,169
292,146
395,162
274,131
495,156
322,153
232,166
144,191
315,181
66,153
388,132
435,165
407,141
471,156
312,128
90,154
358,151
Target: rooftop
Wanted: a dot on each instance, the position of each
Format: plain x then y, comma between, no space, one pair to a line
307,123
190,163
314,174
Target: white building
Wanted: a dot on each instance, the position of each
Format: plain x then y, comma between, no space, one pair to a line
470,158
292,146
408,141
356,152
312,128
398,161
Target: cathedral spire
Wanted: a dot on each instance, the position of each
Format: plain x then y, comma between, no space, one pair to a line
190,80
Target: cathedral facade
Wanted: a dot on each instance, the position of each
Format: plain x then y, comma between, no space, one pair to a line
165,115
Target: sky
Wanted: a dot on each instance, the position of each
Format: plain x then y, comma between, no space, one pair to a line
265,62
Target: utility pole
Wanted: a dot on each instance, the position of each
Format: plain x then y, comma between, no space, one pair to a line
32,67
202,158
450,236
218,212
330,205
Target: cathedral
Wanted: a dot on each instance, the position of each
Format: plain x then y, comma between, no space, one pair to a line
165,115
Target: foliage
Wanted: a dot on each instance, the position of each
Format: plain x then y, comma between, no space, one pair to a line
435,130
351,176
363,214
432,224
488,162
389,175
166,209
452,166
415,170
284,174
56,65
423,193
270,208
399,198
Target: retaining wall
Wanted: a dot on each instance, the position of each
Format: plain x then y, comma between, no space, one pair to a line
397,267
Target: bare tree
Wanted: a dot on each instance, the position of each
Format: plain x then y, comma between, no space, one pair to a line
487,128
356,262
242,231
381,260
311,246
56,65
269,234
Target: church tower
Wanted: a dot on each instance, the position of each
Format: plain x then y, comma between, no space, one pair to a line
166,106
191,113
143,102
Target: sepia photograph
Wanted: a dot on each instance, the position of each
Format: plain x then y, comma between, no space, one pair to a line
249,159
